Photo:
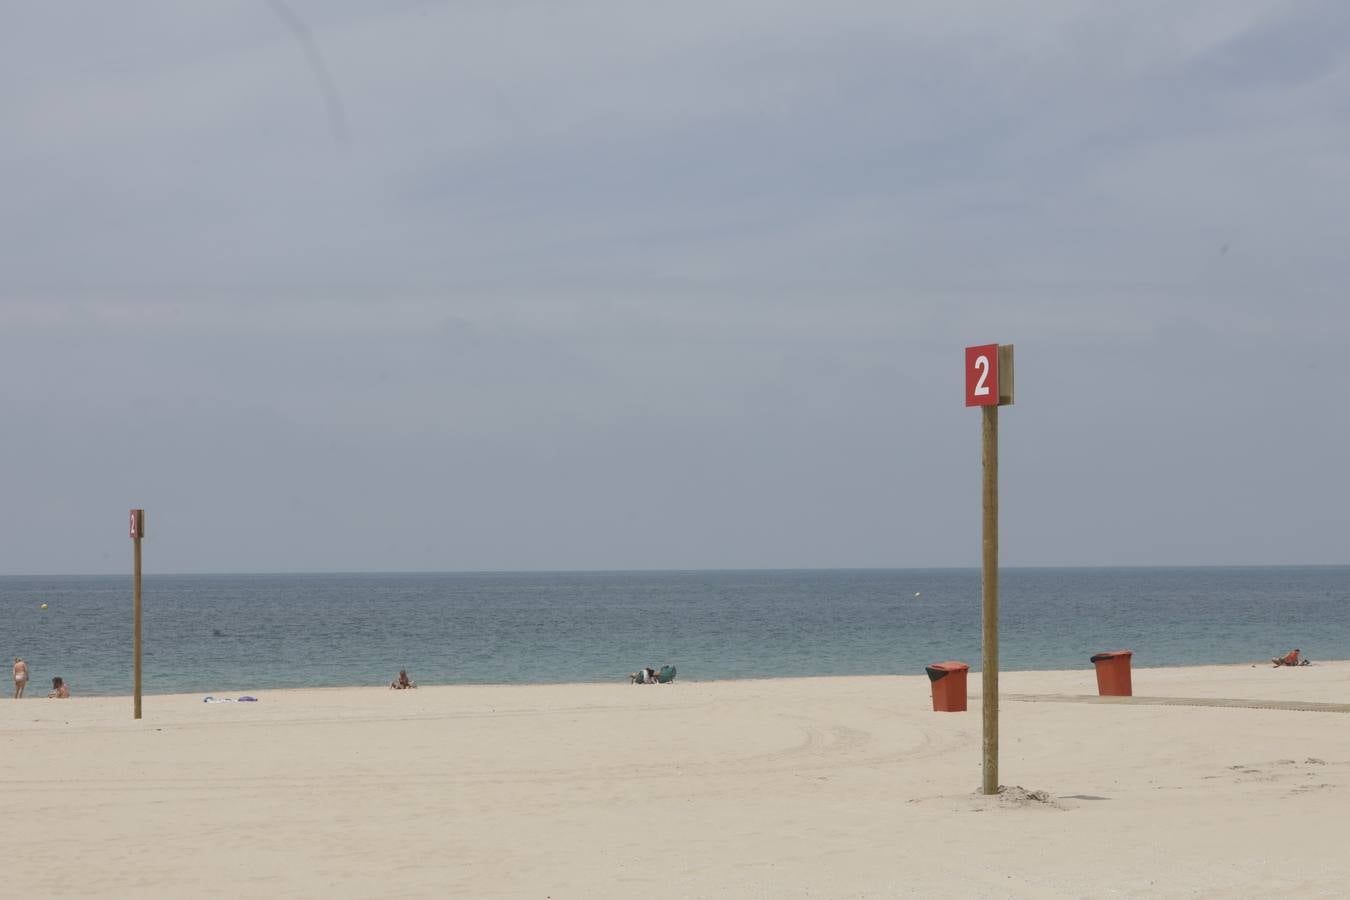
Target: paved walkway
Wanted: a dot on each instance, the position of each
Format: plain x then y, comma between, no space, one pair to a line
1299,705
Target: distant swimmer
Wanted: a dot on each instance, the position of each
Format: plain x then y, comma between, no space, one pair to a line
60,690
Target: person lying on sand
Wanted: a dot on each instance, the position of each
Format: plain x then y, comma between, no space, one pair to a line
60,690
402,682
1292,658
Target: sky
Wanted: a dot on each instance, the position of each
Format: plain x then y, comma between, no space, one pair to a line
595,284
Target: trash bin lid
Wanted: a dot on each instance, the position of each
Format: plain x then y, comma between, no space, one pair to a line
1111,654
943,669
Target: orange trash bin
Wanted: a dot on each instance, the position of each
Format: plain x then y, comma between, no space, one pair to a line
1113,673
949,685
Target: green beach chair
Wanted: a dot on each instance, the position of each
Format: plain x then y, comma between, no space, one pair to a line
666,675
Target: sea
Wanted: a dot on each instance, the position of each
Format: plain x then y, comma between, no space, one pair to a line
247,633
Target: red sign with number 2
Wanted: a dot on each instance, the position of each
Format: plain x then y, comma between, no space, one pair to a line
982,375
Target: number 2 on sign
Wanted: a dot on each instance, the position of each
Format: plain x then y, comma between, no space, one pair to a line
981,386
982,375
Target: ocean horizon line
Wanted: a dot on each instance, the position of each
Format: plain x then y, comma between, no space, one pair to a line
348,573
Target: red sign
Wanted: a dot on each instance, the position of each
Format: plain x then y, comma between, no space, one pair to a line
982,375
138,523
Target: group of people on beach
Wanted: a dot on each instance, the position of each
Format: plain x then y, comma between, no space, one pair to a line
648,675
60,690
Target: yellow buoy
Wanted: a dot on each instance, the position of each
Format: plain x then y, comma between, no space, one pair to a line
43,606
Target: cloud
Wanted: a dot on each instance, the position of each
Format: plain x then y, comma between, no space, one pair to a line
579,144
703,269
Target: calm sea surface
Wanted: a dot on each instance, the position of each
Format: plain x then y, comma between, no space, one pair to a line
239,633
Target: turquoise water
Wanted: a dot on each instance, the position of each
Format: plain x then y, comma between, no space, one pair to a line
221,633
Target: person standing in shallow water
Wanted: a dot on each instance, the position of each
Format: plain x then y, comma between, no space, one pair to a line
20,677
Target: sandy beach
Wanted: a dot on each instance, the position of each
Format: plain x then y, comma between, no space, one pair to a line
815,787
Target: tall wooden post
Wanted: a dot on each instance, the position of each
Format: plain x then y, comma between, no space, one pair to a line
137,532
989,630
989,384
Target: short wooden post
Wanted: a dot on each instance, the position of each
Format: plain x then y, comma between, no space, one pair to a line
137,532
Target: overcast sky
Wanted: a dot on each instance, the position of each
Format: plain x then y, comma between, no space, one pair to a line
498,285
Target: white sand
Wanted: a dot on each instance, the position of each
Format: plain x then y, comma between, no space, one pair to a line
794,788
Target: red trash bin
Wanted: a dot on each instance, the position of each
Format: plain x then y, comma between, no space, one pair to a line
949,685
1113,673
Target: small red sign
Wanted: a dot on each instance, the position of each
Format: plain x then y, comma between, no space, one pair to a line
138,523
982,375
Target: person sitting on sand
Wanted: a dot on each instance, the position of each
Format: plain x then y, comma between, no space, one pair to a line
643,676
402,682
60,690
1289,659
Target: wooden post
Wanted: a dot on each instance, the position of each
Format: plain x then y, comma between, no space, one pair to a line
989,385
990,597
137,532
